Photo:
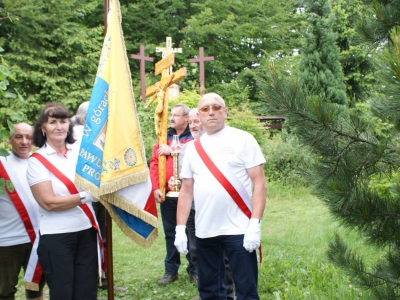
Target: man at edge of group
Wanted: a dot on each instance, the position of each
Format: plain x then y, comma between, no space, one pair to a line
228,223
18,217
196,129
179,126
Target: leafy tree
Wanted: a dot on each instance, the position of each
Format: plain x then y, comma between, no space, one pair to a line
320,69
53,53
7,97
56,46
239,34
354,57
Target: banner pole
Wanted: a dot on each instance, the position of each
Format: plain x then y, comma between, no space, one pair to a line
109,248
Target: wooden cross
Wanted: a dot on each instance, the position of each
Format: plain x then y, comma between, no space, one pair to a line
142,59
201,59
167,50
161,111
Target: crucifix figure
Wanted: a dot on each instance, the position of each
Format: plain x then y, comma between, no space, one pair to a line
142,59
201,59
161,111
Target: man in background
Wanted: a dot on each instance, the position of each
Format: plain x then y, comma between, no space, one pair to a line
178,126
19,220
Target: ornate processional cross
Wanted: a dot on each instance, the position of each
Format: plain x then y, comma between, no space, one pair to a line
167,50
159,90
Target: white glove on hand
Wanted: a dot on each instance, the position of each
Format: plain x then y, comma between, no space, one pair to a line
85,198
181,239
252,237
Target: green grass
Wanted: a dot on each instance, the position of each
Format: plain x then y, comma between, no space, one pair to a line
296,230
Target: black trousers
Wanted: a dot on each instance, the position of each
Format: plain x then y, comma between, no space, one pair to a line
191,230
69,263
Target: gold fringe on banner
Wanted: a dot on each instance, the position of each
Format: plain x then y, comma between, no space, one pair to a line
127,206
116,184
31,286
111,186
114,199
87,186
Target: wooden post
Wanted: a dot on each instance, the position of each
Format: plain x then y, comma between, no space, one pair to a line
109,249
201,59
142,59
161,112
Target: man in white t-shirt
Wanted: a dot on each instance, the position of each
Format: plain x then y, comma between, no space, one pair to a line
19,220
197,130
223,170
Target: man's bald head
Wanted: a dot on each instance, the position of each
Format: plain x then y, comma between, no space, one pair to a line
21,140
212,112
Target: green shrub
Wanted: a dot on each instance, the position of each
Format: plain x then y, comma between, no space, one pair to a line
285,157
243,118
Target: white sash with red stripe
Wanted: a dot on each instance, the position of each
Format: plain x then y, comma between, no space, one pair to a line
27,208
88,210
229,182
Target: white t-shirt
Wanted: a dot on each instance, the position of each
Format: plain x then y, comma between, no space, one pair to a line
12,229
233,151
78,133
51,222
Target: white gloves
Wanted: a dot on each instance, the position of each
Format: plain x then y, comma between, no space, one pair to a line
181,239
252,237
85,198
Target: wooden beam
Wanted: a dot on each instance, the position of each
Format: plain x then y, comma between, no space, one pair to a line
165,63
178,75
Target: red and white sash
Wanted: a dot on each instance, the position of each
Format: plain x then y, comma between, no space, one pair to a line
23,200
236,190
86,209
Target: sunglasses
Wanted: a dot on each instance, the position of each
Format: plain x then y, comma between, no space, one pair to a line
214,107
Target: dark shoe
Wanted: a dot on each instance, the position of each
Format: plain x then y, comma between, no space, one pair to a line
194,279
104,285
167,279
196,298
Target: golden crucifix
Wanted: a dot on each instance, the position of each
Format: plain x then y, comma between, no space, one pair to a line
159,90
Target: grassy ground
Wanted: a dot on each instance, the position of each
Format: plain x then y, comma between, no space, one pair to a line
296,230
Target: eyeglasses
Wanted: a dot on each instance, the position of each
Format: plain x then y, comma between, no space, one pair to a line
214,107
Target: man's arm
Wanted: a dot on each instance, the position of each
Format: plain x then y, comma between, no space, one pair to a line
257,177
154,167
252,237
184,201
182,214
154,174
